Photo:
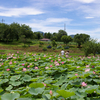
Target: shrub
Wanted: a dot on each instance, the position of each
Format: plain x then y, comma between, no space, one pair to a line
67,47
49,47
44,49
41,43
53,48
59,47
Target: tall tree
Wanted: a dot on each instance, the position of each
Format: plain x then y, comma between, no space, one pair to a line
15,30
81,39
60,34
66,39
26,30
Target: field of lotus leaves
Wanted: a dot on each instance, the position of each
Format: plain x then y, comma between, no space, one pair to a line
31,76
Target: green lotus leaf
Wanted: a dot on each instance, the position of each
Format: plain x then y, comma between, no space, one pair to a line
9,88
36,91
64,86
24,99
26,78
5,80
15,83
34,79
1,90
36,85
65,93
96,80
10,96
14,78
91,89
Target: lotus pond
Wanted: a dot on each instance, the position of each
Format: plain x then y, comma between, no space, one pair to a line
49,77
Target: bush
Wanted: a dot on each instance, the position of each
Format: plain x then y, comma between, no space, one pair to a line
53,48
49,47
59,47
44,49
67,47
41,43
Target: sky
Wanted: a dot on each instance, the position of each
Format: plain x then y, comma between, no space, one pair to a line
73,16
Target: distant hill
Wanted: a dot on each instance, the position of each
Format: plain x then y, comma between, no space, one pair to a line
72,36
41,32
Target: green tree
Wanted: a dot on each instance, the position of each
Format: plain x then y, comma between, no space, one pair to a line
54,44
60,34
91,47
38,35
15,31
26,31
66,39
81,39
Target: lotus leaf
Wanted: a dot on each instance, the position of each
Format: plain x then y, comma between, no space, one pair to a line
36,91
36,85
65,93
9,88
15,83
10,96
14,78
24,99
26,78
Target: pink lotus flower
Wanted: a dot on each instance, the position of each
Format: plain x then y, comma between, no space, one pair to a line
23,64
17,51
87,66
14,61
87,70
51,60
35,59
39,58
57,64
94,72
84,84
76,74
7,69
62,62
59,59
49,57
50,65
24,69
44,84
36,67
51,93
28,66
10,63
78,66
44,55
14,57
92,66
46,67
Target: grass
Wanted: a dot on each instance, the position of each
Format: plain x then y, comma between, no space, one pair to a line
34,48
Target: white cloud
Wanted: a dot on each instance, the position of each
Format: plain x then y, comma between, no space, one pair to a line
85,1
89,17
9,12
49,24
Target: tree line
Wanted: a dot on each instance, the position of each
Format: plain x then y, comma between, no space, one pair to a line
16,32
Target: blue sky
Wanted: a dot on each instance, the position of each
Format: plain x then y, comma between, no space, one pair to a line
79,16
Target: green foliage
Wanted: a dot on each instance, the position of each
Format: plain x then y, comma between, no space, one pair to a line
54,44
91,47
60,34
44,49
59,47
66,39
81,39
41,43
52,77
